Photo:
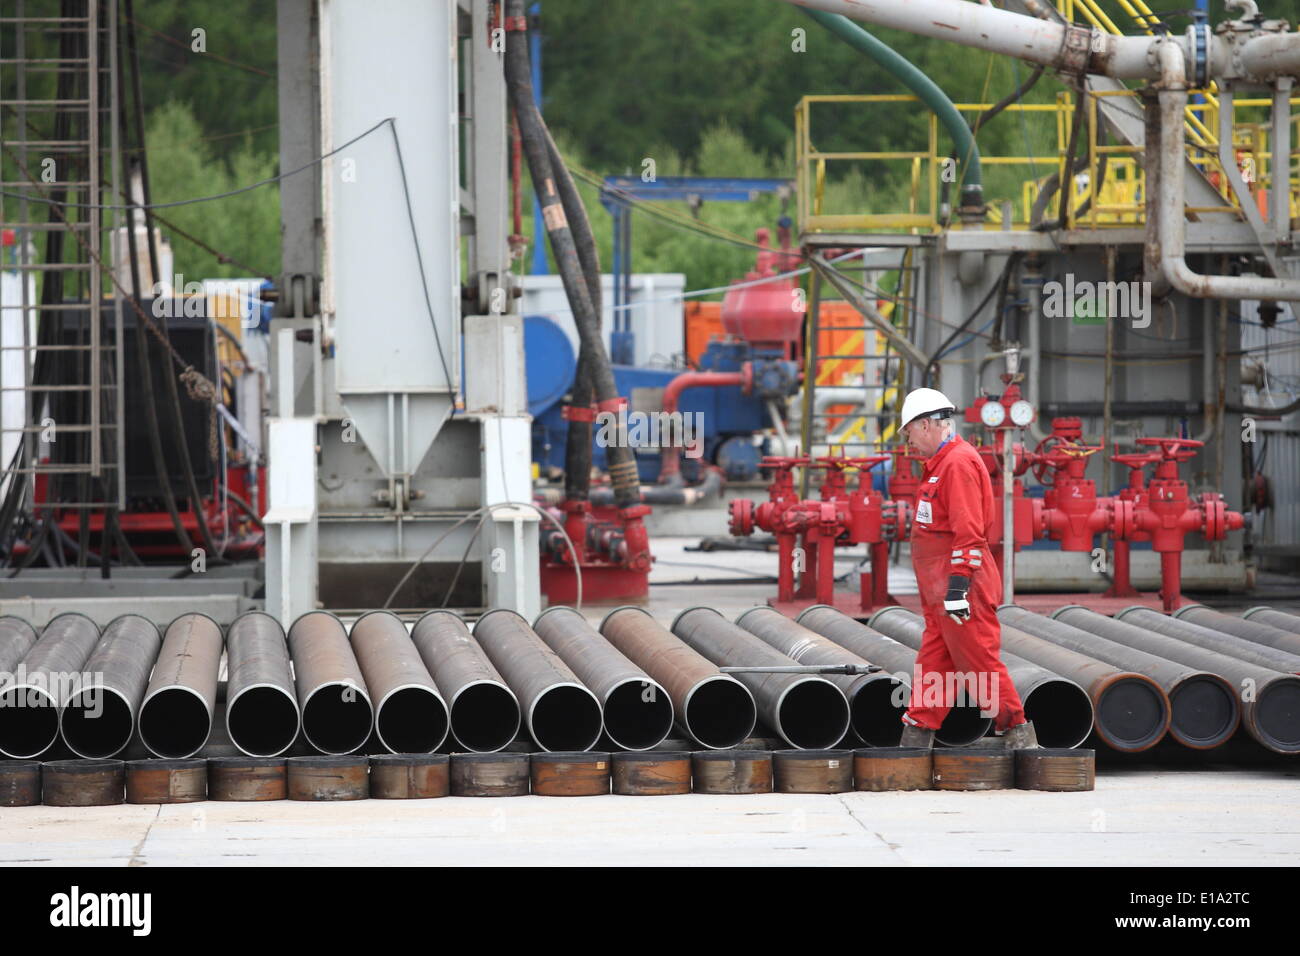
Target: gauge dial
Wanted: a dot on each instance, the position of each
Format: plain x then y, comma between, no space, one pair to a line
1022,413
992,414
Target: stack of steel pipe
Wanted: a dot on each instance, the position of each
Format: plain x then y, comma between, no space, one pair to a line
176,716
1210,639
17,638
1131,711
97,720
876,701
1257,631
262,716
337,716
1274,618
561,714
29,706
712,708
410,714
807,711
962,726
1059,708
1270,699
483,711
1203,709
636,709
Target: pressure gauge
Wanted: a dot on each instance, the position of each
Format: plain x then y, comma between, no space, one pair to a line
992,413
1022,413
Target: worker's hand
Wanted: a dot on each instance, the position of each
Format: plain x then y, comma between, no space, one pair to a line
954,602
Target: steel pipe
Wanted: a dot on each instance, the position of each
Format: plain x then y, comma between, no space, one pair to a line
97,720
1060,709
16,639
262,717
337,715
713,709
962,726
176,716
1203,708
1273,618
484,712
410,714
1210,639
46,676
559,711
1270,700
1257,632
1130,710
876,701
807,712
635,708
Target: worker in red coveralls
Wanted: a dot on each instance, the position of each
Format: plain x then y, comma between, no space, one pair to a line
958,581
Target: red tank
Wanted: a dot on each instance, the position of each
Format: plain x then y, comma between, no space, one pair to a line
767,313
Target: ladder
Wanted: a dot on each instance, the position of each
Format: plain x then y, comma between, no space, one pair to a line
58,105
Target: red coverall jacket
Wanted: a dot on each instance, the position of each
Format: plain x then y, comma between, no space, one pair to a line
954,512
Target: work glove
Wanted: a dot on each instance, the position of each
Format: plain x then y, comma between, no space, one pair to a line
954,602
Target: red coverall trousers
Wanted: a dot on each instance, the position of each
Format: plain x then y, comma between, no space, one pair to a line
949,537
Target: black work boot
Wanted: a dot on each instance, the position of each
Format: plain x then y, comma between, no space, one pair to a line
917,737
1021,737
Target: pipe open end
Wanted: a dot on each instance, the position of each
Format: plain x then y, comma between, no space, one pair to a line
963,725
484,717
262,720
1061,713
96,722
175,722
337,718
814,714
875,711
1277,715
638,714
411,720
719,713
29,721
565,718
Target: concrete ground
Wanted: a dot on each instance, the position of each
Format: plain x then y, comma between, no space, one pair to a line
1134,817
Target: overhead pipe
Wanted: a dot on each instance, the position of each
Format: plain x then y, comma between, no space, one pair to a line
1203,708
561,714
97,720
337,715
1059,708
410,714
1274,618
635,708
876,701
962,726
1270,700
1172,104
1257,632
671,464
712,708
483,711
29,705
1131,711
806,711
1210,639
176,716
262,716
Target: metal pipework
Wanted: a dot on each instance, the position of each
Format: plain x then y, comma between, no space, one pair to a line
262,717
807,712
16,639
1059,708
1211,640
876,701
176,716
410,716
29,705
1270,700
96,720
1273,618
713,709
1203,708
1257,632
559,711
1130,711
337,715
484,712
636,709
962,726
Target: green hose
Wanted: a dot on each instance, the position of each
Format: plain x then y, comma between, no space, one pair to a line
926,89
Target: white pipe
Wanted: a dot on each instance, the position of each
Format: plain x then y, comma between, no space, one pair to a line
1172,215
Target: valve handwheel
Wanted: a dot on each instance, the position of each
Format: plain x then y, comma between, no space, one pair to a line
1174,449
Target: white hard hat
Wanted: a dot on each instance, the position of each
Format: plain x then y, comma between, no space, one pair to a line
921,402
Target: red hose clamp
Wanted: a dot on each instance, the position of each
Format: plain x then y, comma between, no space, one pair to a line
613,405
578,413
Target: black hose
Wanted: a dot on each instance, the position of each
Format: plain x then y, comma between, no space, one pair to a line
1000,288
532,133
1067,180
